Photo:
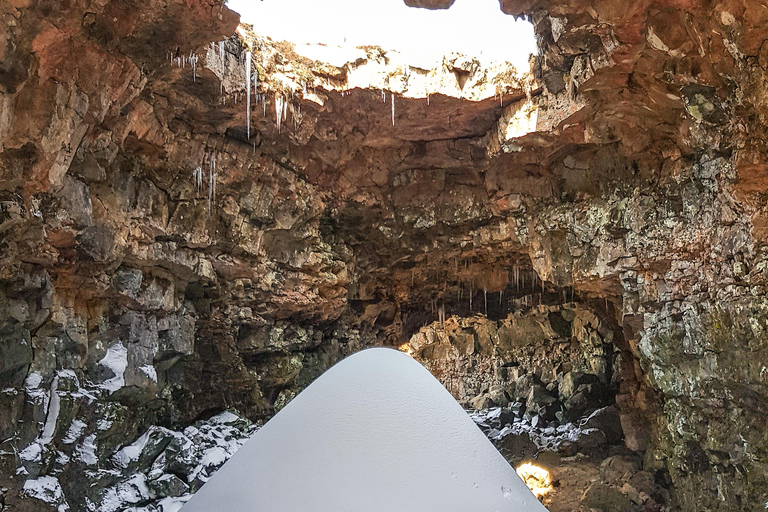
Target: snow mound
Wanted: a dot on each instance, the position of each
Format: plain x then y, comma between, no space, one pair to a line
378,433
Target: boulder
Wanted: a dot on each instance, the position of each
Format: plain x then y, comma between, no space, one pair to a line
607,421
498,395
482,401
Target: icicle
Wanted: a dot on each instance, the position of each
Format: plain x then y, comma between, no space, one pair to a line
427,99
392,96
501,99
248,94
193,62
211,181
197,175
264,103
383,96
279,101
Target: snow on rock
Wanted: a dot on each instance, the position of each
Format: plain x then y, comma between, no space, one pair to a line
376,432
47,489
31,453
76,430
116,360
161,469
157,472
149,371
52,415
129,492
86,451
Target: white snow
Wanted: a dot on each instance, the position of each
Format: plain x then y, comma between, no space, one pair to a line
47,489
173,504
377,433
131,452
68,374
223,418
32,453
86,451
75,431
33,381
131,491
149,371
52,415
116,360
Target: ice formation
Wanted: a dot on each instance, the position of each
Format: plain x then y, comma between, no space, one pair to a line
392,96
363,437
248,93
211,181
280,110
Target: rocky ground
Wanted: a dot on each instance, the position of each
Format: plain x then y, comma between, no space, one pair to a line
160,470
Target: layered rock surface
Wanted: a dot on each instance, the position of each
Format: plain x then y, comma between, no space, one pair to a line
158,266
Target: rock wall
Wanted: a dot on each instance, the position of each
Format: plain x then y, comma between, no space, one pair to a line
158,265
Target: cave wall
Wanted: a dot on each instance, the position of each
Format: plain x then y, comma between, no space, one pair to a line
639,191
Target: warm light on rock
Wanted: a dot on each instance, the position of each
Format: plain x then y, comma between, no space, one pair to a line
406,348
538,479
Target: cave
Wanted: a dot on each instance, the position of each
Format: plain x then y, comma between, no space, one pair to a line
198,219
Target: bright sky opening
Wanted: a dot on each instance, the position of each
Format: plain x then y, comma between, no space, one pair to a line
473,27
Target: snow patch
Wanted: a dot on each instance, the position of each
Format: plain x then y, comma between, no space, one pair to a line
131,452
86,451
32,453
48,490
132,491
52,415
116,360
149,371
76,430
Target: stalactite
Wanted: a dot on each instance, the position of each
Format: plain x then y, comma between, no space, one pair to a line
211,181
248,94
279,106
197,176
193,62
392,96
